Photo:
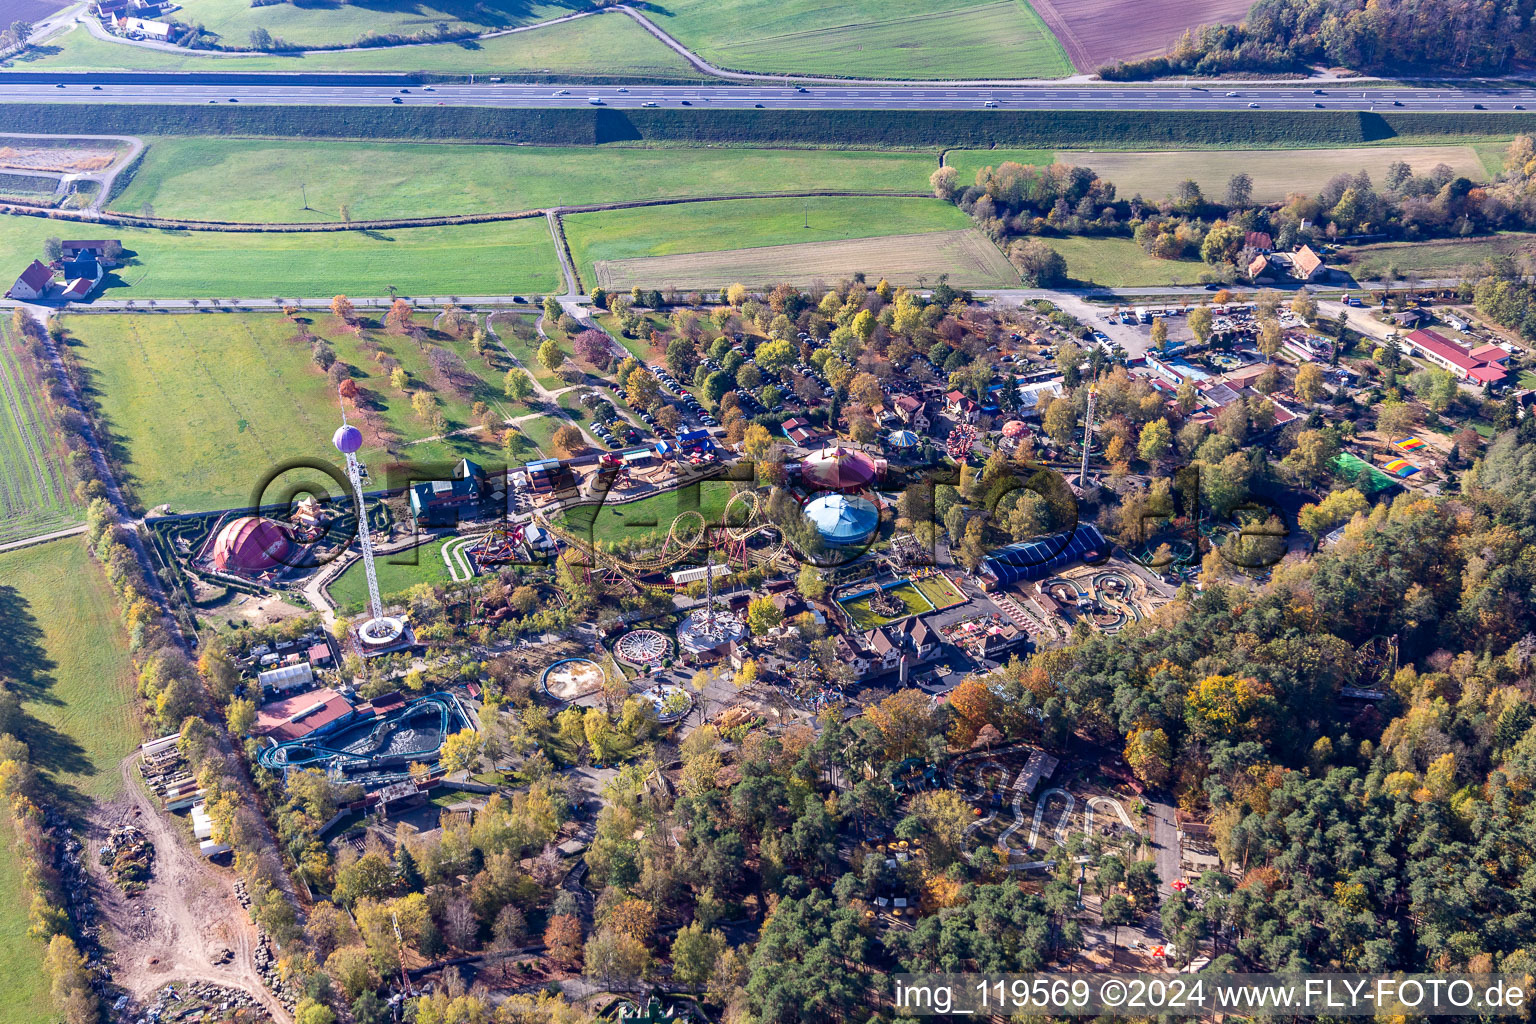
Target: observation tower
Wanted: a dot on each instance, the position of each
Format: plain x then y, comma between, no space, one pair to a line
380,632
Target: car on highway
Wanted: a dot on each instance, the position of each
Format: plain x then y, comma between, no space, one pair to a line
1319,106
1318,92
649,103
561,92
428,88
405,90
801,88
1397,103
1253,106
596,101
1230,95
1517,107
97,88
396,99
1478,106
990,104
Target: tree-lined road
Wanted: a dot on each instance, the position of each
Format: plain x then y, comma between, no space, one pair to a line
195,88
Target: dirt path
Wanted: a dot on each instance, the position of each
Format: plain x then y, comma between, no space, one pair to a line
177,928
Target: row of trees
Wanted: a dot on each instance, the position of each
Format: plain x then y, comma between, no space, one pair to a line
1291,35
1012,203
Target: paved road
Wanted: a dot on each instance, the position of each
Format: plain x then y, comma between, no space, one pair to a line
839,97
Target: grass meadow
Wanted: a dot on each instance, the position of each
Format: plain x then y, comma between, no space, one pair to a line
748,223
246,396
1275,172
397,573
917,39
1435,257
609,45
1121,263
317,24
967,256
36,496
66,650
181,177
465,259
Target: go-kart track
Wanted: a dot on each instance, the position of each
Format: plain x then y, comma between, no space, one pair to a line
376,750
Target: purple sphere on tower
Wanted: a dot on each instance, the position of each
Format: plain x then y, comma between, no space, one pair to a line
347,439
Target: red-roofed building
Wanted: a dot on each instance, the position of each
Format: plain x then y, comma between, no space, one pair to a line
293,718
1491,354
961,407
33,283
1448,355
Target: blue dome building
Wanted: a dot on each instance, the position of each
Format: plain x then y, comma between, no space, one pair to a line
843,519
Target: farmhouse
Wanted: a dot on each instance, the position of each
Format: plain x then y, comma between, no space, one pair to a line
33,283
138,28
102,250
1482,366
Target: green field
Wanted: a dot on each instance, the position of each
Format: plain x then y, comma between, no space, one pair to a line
866,617
601,46
1275,172
186,177
1121,263
1448,256
341,24
66,647
748,223
648,521
35,493
938,590
203,406
518,333
464,259
871,38
397,573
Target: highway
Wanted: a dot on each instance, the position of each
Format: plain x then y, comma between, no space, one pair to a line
821,97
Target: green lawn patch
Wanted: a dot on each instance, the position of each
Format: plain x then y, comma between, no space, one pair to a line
184,177
397,573
65,637
866,617
246,396
747,223
465,259
233,21
1121,263
519,334
600,46
871,38
647,521
1435,257
938,590
36,496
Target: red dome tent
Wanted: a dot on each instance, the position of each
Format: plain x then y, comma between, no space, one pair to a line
250,544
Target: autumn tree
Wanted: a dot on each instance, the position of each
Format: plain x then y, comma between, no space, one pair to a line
341,307
904,720
568,439
517,385
399,317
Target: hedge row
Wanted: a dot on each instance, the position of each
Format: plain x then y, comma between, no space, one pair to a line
874,128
